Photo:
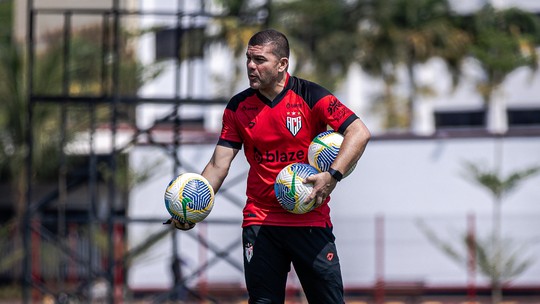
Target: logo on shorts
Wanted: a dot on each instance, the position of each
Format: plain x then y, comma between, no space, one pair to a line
248,251
329,256
294,122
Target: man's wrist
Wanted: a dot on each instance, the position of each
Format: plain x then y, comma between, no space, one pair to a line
338,176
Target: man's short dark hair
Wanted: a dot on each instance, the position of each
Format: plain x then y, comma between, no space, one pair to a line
278,39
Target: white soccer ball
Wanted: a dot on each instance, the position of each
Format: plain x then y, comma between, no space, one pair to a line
324,149
290,190
189,198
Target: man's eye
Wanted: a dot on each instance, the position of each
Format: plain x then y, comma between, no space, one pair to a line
256,60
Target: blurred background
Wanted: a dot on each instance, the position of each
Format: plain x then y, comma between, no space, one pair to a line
103,102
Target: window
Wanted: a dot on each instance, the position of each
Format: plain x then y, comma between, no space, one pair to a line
460,119
523,117
183,43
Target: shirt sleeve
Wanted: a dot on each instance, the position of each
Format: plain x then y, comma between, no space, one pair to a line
335,113
230,136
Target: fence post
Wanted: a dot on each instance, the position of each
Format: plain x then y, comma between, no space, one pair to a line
379,259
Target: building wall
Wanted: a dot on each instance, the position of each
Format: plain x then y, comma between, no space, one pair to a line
403,181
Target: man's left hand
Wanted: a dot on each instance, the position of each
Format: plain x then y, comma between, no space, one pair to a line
323,185
179,225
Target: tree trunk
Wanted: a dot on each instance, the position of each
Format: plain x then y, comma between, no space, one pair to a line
497,120
411,99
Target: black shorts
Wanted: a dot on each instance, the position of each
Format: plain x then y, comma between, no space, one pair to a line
269,252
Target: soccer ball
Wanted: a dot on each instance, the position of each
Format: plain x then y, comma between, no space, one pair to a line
324,149
189,198
290,190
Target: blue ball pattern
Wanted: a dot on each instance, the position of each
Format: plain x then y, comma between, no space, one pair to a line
290,190
197,194
326,151
189,198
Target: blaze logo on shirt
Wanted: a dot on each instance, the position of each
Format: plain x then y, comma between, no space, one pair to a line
294,123
278,156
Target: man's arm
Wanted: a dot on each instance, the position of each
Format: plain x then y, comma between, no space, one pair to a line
218,167
355,140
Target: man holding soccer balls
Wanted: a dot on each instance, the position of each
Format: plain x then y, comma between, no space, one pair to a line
274,121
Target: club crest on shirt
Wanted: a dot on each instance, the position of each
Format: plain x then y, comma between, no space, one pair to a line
248,251
294,122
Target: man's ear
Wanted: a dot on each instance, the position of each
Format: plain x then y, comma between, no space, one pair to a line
283,64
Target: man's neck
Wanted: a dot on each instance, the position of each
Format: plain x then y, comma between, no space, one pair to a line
271,93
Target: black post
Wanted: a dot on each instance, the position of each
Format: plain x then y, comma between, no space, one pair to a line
175,263
62,174
113,154
27,270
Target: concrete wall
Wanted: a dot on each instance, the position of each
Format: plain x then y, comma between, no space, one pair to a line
404,181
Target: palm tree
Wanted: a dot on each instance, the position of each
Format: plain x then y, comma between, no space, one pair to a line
237,23
323,34
49,136
407,33
499,262
503,40
6,18
497,258
499,188
382,36
13,126
426,29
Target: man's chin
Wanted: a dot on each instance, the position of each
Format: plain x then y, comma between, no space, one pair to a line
254,85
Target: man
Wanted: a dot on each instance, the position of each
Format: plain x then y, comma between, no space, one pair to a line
275,120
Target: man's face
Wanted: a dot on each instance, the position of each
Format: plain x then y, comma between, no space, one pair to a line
263,67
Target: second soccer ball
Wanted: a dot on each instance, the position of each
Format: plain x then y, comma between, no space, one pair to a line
291,191
324,149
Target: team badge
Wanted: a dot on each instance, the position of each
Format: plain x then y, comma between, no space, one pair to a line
330,256
294,123
248,251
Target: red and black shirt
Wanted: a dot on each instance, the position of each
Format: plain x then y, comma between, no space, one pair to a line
277,133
